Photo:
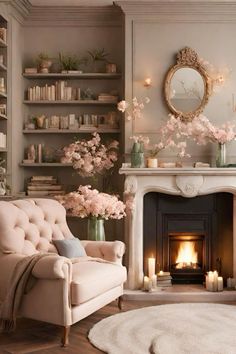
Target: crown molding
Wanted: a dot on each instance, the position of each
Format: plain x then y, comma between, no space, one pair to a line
74,16
188,10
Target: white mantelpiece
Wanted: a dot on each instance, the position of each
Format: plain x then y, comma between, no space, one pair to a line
186,182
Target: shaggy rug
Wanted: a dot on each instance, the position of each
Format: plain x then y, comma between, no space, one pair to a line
169,329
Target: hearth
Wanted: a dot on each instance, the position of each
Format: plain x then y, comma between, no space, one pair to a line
187,257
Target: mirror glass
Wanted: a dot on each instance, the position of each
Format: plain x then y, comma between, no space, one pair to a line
187,90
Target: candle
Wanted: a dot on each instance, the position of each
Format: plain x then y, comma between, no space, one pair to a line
154,281
215,280
210,281
152,162
161,273
151,266
147,284
229,283
220,284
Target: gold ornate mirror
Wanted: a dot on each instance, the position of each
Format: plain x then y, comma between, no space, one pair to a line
187,86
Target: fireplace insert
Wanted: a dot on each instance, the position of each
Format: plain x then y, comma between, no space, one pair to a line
187,257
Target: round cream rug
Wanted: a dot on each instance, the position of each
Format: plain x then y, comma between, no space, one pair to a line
169,329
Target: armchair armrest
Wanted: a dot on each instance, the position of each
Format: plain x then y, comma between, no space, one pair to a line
52,267
112,251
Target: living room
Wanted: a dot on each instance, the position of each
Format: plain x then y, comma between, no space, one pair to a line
117,176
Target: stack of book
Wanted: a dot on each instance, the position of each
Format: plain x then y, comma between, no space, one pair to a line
44,186
107,97
60,91
164,279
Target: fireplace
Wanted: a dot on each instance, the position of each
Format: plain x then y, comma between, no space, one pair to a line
187,258
146,232
188,236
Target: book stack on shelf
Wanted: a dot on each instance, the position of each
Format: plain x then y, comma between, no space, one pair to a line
164,279
3,140
107,97
42,186
60,91
3,34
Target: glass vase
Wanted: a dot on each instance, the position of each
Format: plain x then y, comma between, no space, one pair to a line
96,231
221,155
137,156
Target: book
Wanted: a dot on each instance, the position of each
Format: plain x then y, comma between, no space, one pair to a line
45,193
39,178
45,187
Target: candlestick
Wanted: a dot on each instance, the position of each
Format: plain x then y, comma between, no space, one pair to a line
220,284
151,266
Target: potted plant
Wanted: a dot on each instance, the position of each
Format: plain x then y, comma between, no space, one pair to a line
44,63
98,57
71,63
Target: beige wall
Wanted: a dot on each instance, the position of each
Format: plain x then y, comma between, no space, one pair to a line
153,39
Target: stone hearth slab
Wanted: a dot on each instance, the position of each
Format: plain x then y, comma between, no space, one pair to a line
181,293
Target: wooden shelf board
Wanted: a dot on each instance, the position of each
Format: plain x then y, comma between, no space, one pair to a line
3,95
67,131
79,103
46,164
3,67
3,44
2,116
73,76
3,149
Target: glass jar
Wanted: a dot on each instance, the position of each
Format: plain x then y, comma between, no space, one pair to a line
221,155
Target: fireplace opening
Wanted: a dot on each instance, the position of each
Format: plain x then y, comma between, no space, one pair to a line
189,236
186,254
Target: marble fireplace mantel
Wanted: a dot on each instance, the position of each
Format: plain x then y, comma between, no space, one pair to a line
187,182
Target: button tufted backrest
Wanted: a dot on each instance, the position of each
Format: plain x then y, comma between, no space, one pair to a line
29,226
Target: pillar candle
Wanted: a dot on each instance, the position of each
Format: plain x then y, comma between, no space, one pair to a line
215,280
147,285
152,162
220,284
154,281
161,273
210,281
151,266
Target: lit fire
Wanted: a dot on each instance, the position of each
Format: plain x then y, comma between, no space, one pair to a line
187,256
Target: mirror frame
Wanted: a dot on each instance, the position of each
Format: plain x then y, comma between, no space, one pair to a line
187,58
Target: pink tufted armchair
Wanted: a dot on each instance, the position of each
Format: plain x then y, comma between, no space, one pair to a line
65,292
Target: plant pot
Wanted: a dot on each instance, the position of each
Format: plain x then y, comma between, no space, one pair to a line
45,66
152,162
96,230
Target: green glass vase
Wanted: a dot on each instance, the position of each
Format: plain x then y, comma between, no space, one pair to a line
221,155
96,231
137,155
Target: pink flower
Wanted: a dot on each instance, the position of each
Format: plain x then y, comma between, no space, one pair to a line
122,106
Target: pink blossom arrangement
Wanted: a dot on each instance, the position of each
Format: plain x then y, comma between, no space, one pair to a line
87,202
136,110
91,157
140,139
175,132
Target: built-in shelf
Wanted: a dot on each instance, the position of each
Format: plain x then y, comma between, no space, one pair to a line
3,44
46,164
3,95
3,149
77,102
2,116
3,67
73,76
68,131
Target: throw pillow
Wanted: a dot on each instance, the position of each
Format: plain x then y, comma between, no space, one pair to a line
70,248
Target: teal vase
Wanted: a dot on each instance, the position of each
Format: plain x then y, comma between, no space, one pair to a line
96,231
137,155
221,155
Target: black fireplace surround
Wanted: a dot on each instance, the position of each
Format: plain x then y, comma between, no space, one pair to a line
204,223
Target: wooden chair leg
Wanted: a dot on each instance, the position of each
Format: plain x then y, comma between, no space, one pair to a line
65,336
120,302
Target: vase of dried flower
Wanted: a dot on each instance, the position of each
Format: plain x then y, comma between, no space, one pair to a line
137,155
96,231
221,155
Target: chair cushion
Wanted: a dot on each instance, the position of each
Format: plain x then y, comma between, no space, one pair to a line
70,248
91,278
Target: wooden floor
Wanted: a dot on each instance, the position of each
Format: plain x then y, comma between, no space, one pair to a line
42,338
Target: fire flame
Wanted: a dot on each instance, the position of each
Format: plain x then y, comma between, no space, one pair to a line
187,255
